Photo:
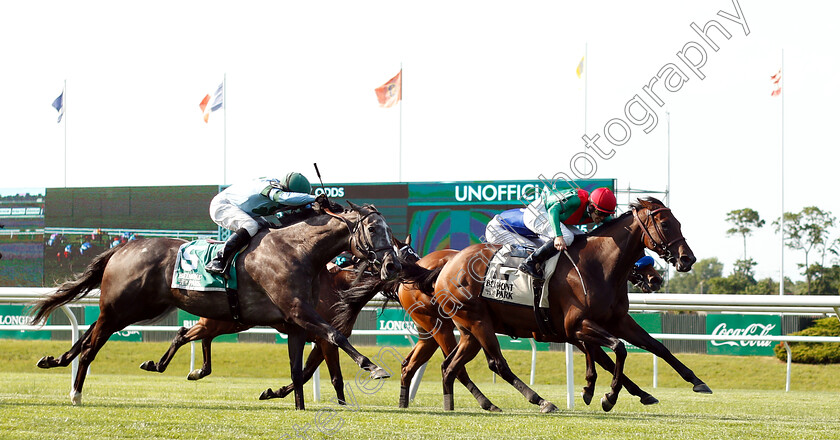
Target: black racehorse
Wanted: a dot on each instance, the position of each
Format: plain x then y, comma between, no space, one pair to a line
276,275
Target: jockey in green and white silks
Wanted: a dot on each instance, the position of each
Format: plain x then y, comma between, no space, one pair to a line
555,215
240,207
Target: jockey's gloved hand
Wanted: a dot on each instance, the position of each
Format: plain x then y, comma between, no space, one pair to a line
321,202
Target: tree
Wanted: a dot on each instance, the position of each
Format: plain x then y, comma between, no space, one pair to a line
806,230
745,220
696,280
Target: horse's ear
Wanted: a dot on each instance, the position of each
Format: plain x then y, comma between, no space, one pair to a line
372,207
408,240
354,206
645,203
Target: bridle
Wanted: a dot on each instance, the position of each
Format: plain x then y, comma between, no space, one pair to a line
663,250
363,242
408,250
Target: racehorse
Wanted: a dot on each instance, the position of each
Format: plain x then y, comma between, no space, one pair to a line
338,308
588,299
276,285
438,332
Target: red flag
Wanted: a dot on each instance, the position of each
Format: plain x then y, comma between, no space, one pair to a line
203,106
390,93
777,86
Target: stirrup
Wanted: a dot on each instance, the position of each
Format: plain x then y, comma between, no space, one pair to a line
534,272
213,267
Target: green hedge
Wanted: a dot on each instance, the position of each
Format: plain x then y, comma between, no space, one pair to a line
814,352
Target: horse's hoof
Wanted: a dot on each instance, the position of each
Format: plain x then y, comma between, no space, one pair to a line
587,397
195,375
75,398
379,373
492,408
649,400
702,388
267,394
606,405
547,407
148,366
45,362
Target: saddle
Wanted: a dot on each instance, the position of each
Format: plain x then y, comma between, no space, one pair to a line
505,283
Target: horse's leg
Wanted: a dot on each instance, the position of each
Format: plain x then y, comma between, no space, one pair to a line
633,333
464,352
206,354
160,367
312,362
102,329
591,375
297,340
593,334
497,364
307,318
419,355
606,363
446,340
334,366
66,358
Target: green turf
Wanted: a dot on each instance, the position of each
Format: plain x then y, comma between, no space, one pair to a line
121,401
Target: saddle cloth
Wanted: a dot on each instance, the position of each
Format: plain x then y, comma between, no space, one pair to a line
189,268
505,283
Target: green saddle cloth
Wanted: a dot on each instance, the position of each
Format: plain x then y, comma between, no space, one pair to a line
189,268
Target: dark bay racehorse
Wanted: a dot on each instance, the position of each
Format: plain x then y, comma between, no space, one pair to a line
588,299
338,308
438,332
276,275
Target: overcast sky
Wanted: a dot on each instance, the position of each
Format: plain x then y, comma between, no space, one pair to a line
490,92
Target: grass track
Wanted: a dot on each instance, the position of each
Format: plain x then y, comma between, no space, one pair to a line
120,401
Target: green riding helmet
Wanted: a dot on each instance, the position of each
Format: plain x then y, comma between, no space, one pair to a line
297,182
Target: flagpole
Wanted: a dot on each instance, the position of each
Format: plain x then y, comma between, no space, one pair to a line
782,221
585,93
224,130
401,104
64,103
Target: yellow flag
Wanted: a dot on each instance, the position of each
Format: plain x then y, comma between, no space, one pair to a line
580,67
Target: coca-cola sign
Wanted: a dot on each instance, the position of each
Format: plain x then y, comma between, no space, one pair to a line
729,326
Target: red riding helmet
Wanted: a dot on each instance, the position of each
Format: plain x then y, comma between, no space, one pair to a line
603,200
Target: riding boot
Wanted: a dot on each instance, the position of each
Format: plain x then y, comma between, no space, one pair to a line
234,243
533,265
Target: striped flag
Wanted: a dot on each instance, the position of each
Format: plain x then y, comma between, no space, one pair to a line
218,102
777,84
579,70
390,93
58,104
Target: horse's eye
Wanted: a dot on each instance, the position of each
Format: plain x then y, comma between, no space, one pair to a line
371,229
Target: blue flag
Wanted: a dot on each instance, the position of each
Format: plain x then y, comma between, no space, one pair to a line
58,104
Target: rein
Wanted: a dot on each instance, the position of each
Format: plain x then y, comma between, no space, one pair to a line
661,249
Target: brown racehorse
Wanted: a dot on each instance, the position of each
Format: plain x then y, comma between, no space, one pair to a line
438,332
277,285
340,310
588,299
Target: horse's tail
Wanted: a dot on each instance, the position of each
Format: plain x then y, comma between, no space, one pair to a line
73,289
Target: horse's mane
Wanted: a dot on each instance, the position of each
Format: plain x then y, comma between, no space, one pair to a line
305,213
366,286
607,225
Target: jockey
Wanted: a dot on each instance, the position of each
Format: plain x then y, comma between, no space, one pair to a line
550,222
240,207
555,216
